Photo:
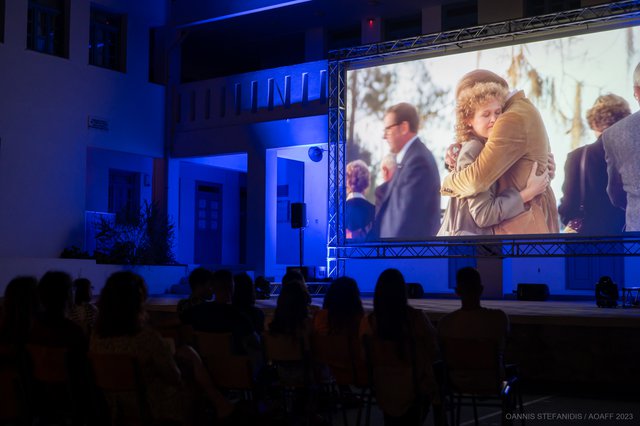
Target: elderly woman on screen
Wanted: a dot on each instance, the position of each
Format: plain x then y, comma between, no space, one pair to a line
359,211
585,206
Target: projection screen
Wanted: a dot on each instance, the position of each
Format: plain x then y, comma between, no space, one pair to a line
562,78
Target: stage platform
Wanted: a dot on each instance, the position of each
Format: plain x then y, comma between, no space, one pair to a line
579,313
569,346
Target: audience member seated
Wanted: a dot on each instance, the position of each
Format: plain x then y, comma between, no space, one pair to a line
220,316
19,310
472,320
340,316
120,329
51,327
290,332
342,310
291,316
263,288
404,383
297,278
201,290
244,299
83,312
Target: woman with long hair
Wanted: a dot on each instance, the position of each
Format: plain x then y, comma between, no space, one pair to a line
120,329
401,347
19,310
291,317
342,310
244,299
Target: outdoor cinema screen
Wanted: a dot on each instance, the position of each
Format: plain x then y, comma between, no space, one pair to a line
553,96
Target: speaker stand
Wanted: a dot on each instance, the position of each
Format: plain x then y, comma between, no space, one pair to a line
301,233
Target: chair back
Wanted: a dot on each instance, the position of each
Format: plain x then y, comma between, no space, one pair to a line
473,366
115,372
289,357
119,378
58,388
13,403
399,378
342,354
283,348
49,364
227,369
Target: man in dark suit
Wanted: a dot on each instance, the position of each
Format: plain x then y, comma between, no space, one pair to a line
410,208
621,145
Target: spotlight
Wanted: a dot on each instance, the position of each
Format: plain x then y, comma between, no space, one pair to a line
315,154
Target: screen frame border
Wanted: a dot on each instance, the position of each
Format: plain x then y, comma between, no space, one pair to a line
563,24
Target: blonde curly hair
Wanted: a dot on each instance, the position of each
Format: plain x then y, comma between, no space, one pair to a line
607,110
469,99
357,176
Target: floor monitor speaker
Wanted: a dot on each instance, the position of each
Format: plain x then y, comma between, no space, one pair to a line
533,292
415,291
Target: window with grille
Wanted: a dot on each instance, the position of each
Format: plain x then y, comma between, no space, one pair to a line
124,195
107,40
48,27
2,21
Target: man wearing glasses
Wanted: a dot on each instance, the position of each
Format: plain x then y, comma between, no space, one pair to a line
410,208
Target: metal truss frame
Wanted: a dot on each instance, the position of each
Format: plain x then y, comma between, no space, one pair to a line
496,247
338,250
336,163
509,31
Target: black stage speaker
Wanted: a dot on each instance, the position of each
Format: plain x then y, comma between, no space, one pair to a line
533,292
606,293
263,288
415,291
304,270
298,215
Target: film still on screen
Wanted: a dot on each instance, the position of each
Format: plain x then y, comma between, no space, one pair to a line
500,141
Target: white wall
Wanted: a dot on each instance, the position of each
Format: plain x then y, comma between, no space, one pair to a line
431,273
316,192
44,105
290,174
537,270
158,278
315,198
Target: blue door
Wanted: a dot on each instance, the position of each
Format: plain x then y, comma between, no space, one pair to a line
208,224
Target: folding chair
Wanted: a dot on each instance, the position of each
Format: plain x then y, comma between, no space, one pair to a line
291,361
119,378
342,355
475,376
54,396
395,380
14,406
228,371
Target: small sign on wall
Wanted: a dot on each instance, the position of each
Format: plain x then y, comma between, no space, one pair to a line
98,123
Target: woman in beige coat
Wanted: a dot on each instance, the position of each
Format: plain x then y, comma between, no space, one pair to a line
477,108
517,141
